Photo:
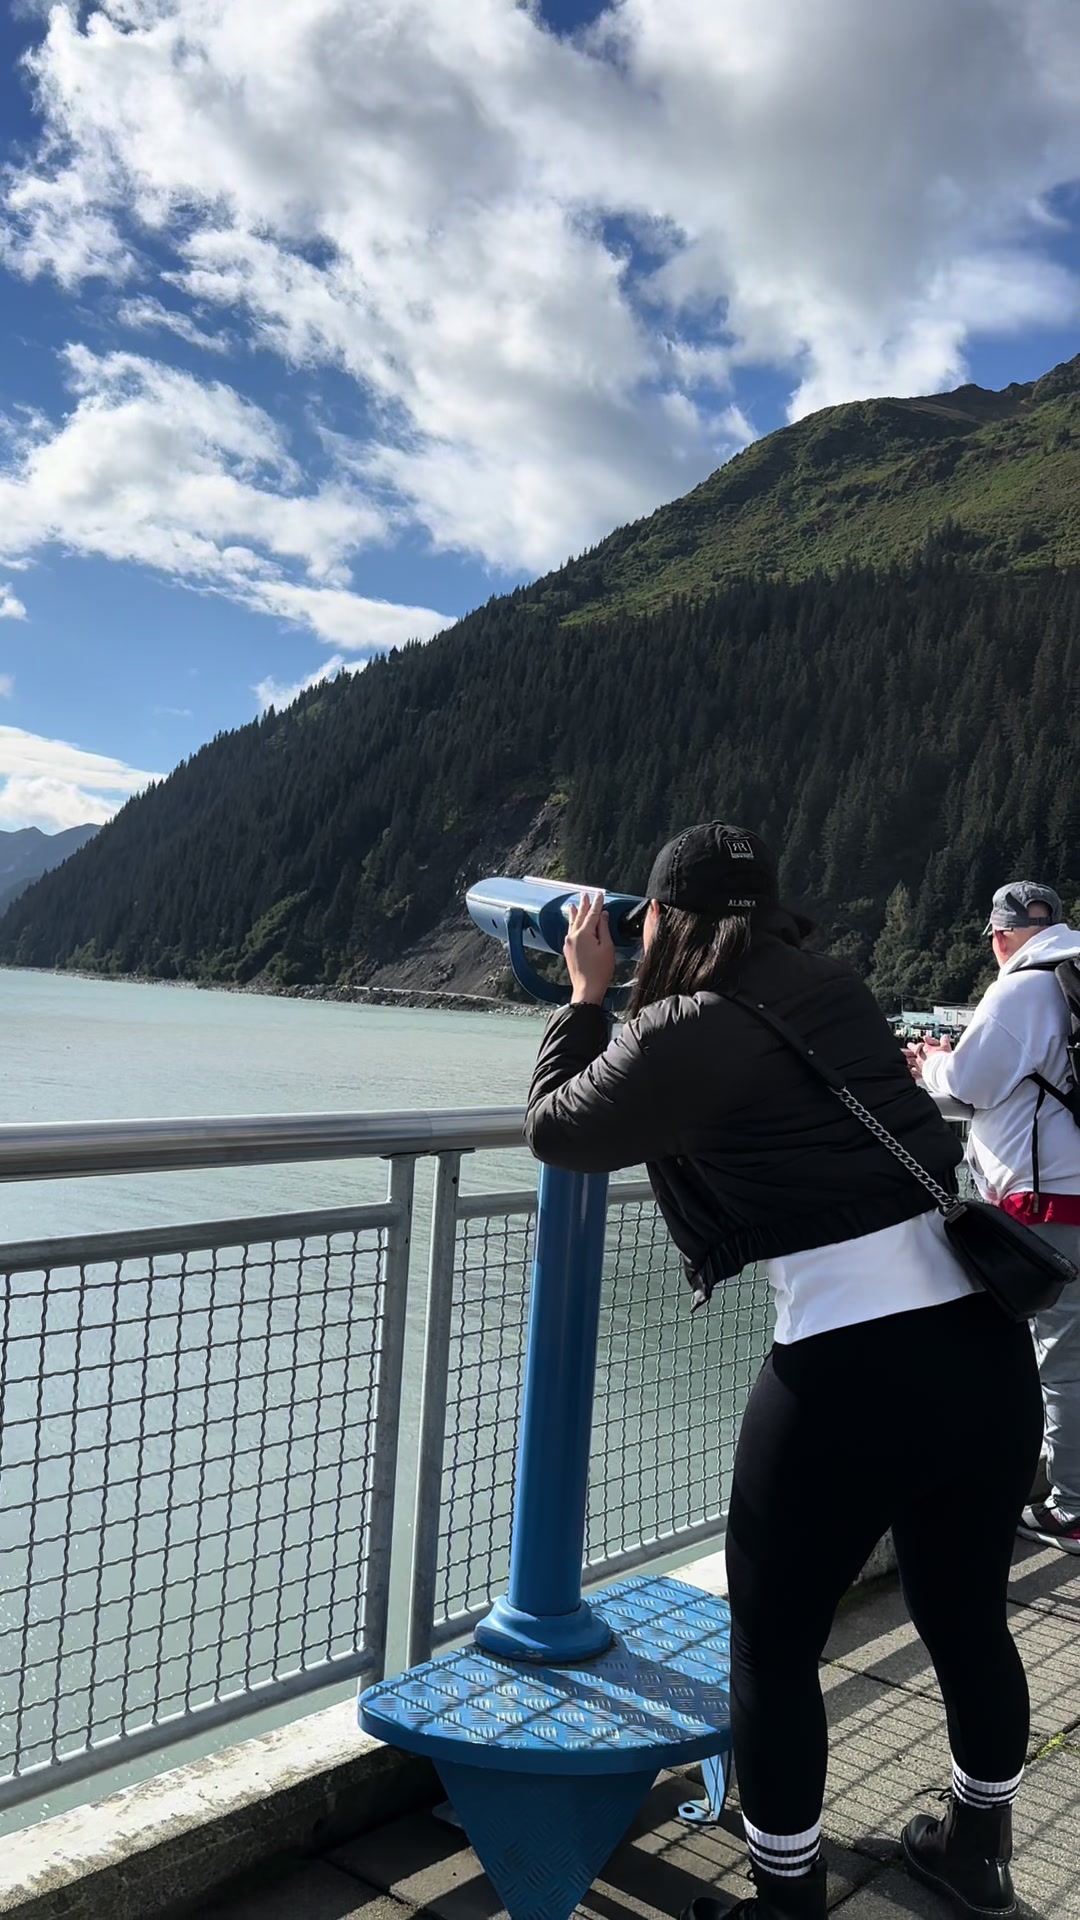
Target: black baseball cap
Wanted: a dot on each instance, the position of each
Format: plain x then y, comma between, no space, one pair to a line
714,869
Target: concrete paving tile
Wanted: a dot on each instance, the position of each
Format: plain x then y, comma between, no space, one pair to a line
425,1864
312,1892
1047,1836
1045,1577
888,1755
1049,1644
875,1636
892,1895
873,1633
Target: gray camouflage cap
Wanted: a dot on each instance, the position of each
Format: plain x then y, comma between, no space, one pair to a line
1012,904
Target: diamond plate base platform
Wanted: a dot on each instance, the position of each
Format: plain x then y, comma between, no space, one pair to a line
658,1697
546,1766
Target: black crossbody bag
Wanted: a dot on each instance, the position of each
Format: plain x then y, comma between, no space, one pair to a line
1020,1271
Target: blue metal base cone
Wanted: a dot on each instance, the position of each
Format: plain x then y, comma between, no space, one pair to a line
540,1840
544,1640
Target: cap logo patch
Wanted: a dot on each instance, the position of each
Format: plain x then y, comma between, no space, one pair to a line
739,849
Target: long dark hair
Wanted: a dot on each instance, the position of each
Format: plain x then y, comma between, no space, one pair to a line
692,952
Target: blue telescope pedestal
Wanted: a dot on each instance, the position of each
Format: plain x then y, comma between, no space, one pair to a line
548,1733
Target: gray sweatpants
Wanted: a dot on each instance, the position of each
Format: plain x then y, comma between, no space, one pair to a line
1057,1343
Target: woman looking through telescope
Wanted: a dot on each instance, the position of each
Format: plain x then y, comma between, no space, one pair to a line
886,1360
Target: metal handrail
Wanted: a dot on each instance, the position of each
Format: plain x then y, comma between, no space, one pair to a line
66,1149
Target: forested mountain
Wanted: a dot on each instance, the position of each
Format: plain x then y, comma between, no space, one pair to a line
26,853
862,484
906,735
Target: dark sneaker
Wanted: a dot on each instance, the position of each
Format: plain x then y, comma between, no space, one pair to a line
1050,1524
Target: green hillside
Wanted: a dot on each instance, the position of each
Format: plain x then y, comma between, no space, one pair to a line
995,475
907,738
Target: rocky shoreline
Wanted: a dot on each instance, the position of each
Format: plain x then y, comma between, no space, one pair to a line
431,999
434,999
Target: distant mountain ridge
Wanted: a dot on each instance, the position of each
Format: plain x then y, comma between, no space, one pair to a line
861,484
26,853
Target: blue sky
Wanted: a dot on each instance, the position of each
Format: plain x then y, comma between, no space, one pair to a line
323,321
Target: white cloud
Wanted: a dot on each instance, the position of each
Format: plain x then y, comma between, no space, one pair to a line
145,313
155,467
348,620
7,685
11,607
52,784
151,465
439,200
373,190
51,805
276,693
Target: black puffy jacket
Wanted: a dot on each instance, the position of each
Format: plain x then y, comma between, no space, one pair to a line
748,1154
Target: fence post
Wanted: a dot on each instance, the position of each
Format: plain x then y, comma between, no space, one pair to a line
432,1423
387,1419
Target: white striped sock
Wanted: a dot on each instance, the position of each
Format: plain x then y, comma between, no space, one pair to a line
984,1793
788,1855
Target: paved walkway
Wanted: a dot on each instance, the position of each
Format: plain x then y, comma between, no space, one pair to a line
888,1749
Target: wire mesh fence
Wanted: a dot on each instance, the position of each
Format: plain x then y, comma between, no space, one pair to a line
483,1409
670,1390
187,1466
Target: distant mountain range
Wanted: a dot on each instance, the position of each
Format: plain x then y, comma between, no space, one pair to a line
861,636
26,853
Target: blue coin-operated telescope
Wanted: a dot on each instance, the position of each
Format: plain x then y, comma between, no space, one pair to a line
534,915
550,1728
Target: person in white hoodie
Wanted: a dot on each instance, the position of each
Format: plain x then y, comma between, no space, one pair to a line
1024,1150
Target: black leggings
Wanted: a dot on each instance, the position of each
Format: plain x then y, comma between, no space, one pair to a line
929,1423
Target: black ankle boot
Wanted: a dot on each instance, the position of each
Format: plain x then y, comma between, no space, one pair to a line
777,1898
965,1856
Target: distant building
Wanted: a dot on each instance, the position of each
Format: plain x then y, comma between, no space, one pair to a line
936,1020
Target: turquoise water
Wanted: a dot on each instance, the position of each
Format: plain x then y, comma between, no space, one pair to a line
76,1049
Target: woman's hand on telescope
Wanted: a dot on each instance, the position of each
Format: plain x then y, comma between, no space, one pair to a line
588,951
